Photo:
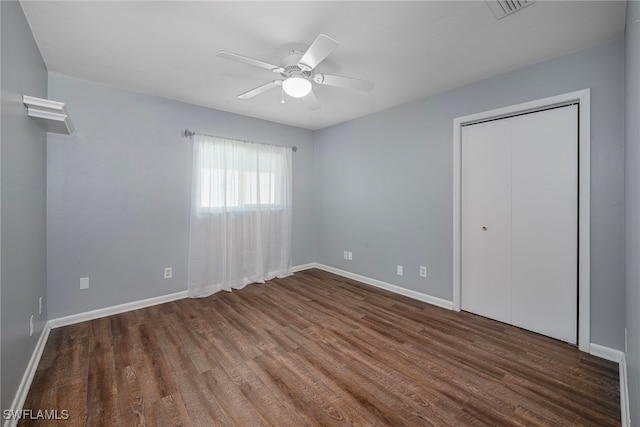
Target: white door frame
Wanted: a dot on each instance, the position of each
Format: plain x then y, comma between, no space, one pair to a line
583,98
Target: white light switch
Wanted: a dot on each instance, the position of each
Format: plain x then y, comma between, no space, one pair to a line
400,270
84,283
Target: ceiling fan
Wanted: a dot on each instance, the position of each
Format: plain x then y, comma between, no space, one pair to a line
297,70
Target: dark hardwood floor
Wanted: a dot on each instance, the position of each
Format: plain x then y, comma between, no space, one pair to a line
316,349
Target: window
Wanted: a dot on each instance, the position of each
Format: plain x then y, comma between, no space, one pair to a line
240,227
240,176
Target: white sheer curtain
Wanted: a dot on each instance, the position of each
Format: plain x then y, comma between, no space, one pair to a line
240,229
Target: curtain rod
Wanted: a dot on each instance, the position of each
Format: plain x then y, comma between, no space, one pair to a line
188,134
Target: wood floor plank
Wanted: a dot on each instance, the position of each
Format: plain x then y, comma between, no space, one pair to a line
322,389
102,393
170,411
131,397
237,408
66,397
316,349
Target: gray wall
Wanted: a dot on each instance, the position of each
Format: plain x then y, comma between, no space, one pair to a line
384,181
632,198
119,187
23,196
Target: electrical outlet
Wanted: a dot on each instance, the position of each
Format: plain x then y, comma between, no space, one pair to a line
31,325
40,305
84,283
346,255
168,272
350,255
423,271
400,270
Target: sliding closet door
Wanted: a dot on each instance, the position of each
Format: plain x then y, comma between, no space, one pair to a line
544,220
519,221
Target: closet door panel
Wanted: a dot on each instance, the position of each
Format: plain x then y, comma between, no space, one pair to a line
486,202
545,222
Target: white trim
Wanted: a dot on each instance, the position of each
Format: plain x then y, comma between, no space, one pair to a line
135,305
583,97
29,373
115,309
303,267
625,412
606,353
620,358
388,286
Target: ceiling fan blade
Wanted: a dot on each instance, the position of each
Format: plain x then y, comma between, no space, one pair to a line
311,102
321,47
260,89
246,60
346,82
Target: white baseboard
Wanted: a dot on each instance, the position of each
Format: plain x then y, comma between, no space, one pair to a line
116,309
618,357
383,285
122,308
606,352
302,267
27,378
624,393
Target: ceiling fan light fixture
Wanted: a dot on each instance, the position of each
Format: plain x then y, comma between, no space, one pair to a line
297,72
296,87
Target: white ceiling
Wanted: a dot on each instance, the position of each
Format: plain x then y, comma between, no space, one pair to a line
410,49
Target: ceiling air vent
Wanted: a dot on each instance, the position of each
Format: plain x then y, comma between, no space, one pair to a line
502,8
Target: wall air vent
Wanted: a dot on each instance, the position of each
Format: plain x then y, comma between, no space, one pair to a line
502,8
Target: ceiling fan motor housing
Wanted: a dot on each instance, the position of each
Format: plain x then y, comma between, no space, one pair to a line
290,67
